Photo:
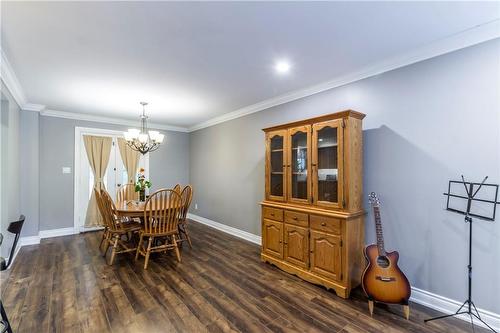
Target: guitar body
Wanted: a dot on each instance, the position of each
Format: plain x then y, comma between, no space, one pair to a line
383,281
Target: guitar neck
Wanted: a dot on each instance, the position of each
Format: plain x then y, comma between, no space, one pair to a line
378,229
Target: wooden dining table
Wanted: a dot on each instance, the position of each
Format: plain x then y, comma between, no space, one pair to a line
132,208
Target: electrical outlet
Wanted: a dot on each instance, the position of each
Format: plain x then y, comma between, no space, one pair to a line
196,206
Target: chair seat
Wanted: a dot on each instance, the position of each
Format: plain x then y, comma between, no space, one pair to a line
128,227
155,234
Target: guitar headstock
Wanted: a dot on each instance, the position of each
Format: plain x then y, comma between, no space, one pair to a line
374,201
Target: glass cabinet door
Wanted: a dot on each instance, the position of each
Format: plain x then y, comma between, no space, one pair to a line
275,166
299,164
327,156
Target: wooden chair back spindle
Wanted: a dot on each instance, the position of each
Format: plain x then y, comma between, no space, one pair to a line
126,193
161,212
111,216
187,197
98,198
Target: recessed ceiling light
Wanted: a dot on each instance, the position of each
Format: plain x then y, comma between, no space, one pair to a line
282,66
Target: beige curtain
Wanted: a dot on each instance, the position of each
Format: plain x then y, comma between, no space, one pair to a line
130,159
98,150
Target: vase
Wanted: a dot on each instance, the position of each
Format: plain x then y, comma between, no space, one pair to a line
142,195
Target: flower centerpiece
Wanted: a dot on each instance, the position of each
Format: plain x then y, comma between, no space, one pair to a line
142,184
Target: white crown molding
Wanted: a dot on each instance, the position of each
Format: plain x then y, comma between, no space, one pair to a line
463,39
10,80
449,306
227,229
109,120
33,107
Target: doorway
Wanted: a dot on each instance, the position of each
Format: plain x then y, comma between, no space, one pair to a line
115,175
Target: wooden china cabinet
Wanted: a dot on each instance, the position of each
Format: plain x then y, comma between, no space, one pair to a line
312,215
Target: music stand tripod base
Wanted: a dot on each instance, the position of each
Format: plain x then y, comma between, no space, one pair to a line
468,307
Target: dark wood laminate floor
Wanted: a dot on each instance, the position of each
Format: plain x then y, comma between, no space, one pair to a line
64,285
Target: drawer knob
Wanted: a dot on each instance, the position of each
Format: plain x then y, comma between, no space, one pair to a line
295,218
323,224
272,214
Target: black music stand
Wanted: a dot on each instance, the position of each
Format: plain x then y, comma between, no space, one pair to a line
471,190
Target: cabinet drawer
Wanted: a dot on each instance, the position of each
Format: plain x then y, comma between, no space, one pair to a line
300,219
326,224
272,213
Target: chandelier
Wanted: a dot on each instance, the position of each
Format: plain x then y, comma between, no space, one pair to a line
142,140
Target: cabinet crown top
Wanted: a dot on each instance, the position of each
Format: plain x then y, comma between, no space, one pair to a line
336,115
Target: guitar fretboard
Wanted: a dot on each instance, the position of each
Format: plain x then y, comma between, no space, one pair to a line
378,229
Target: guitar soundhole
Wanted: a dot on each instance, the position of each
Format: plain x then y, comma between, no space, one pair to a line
383,262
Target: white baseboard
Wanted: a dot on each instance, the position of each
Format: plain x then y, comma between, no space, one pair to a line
33,240
56,232
449,306
29,240
425,298
227,229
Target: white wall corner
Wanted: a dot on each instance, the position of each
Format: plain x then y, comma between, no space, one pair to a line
10,80
227,229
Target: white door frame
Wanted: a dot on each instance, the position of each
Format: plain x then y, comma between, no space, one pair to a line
79,132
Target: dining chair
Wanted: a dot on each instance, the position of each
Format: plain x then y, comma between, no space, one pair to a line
187,197
161,217
177,188
127,192
14,228
105,233
117,229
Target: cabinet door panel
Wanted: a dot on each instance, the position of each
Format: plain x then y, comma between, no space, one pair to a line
296,245
276,165
327,163
299,160
326,255
272,238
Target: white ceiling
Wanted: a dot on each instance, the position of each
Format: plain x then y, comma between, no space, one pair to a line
196,61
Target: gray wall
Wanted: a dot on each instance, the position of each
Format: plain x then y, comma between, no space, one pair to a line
10,196
426,123
168,165
30,170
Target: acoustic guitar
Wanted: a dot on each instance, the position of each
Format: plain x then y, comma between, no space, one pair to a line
383,281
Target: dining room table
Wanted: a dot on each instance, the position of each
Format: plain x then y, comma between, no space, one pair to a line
130,208
133,208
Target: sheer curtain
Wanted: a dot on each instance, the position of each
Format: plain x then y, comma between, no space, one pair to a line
98,150
130,159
